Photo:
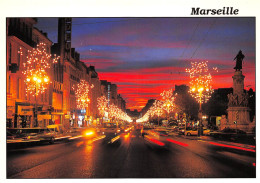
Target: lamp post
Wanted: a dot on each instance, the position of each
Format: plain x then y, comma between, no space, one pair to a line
168,101
167,105
37,81
200,85
82,94
102,104
35,71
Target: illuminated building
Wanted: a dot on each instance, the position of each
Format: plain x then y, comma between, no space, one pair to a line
94,93
56,104
21,38
121,103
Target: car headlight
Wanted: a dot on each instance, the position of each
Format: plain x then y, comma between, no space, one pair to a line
88,133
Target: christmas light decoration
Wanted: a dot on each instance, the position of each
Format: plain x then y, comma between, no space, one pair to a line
115,113
82,94
102,104
200,84
35,69
168,100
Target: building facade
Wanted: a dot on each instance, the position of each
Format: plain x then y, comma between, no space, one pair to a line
24,110
57,105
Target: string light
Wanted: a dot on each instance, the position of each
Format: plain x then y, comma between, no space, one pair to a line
82,94
168,100
200,84
102,105
35,69
115,112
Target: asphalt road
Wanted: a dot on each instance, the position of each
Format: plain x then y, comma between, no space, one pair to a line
132,158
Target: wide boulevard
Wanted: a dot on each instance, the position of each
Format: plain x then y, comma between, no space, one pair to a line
132,158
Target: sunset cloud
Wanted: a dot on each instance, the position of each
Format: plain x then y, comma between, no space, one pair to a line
145,56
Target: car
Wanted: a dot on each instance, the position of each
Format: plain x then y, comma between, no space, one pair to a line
58,131
231,130
112,132
75,131
191,132
126,128
206,131
155,138
31,135
181,131
90,133
145,129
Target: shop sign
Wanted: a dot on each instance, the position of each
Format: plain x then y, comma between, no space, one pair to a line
25,110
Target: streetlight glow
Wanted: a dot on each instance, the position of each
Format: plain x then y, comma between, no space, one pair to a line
200,79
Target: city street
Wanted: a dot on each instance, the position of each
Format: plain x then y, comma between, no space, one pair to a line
132,158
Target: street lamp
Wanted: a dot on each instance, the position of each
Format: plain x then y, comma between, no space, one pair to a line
200,85
37,81
168,101
35,71
82,94
102,104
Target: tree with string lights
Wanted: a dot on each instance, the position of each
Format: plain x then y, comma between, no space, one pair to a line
82,94
200,85
157,109
36,72
102,104
168,101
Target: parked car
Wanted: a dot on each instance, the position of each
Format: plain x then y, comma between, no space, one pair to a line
206,131
30,134
74,131
231,130
58,131
181,131
191,132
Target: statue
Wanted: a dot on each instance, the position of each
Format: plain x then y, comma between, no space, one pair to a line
239,58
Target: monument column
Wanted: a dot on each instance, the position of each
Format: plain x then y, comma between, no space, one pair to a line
238,110
238,83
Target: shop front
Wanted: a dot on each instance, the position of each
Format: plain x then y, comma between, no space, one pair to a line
24,117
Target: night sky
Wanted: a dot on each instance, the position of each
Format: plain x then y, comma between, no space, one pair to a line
145,56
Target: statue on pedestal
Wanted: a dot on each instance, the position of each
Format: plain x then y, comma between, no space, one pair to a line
239,58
